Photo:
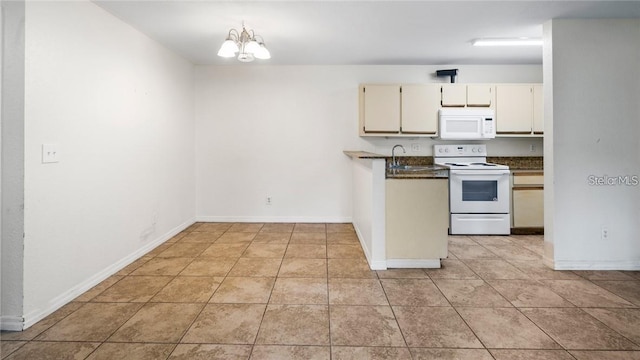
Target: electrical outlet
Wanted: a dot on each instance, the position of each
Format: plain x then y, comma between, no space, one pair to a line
268,201
532,148
50,153
605,233
415,147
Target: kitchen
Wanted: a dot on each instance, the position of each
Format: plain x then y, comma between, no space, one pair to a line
412,206
285,125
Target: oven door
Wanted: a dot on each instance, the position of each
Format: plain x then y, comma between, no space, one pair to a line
479,191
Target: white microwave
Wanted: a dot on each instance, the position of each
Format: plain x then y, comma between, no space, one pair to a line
467,123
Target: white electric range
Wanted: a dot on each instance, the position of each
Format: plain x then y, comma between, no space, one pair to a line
478,191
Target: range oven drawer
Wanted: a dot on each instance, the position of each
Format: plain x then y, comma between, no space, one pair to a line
480,224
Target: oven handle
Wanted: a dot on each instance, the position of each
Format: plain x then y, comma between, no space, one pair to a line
480,172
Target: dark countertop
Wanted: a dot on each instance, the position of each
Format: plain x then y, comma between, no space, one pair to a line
427,169
363,155
527,172
439,174
517,164
429,172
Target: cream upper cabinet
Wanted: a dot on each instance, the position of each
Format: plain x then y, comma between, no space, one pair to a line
538,109
420,105
514,109
461,95
412,110
399,109
380,108
480,95
454,95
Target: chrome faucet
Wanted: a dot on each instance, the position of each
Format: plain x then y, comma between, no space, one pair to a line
394,162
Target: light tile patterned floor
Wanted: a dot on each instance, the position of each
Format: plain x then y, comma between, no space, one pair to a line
304,291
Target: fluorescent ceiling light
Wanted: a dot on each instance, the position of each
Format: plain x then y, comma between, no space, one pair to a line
508,42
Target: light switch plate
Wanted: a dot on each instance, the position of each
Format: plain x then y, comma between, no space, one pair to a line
50,153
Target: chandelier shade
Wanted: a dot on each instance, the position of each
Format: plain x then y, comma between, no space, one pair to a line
262,53
246,44
228,49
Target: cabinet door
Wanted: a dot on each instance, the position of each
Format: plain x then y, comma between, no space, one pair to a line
480,95
514,109
420,104
454,95
381,108
538,110
528,207
416,218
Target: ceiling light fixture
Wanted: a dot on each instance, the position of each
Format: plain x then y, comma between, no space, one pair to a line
246,44
508,42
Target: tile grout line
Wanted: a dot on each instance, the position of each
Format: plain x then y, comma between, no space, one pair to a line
266,306
148,301
513,306
463,319
90,301
326,254
331,345
395,317
195,318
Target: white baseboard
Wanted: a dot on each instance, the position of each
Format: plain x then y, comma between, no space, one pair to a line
365,249
66,297
373,265
413,263
275,219
378,265
595,265
11,323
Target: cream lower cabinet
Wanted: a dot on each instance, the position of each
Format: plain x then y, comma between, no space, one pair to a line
417,221
528,201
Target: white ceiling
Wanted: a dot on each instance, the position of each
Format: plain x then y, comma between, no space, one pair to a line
419,32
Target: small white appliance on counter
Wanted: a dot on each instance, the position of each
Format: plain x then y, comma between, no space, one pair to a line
467,123
478,191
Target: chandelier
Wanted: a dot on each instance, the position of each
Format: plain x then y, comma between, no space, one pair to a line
246,44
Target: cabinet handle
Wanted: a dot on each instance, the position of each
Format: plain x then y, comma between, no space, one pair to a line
516,187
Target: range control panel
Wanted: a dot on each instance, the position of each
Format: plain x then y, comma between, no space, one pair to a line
460,150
